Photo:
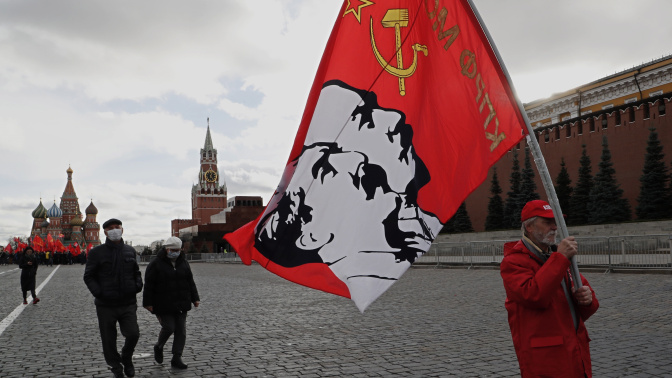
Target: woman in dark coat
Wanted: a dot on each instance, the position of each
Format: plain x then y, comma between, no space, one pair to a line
28,265
169,293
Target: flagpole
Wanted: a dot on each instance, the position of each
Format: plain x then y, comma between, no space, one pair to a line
536,152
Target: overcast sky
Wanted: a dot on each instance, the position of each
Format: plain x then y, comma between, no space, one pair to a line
120,91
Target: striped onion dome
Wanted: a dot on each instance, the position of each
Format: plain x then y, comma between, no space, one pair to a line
54,211
91,209
76,221
40,211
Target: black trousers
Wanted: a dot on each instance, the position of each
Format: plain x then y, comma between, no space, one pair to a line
173,324
108,317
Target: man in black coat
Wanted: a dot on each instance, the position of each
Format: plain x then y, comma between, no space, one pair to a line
113,277
169,293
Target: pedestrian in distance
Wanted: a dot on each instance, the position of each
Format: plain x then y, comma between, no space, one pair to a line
28,265
169,292
113,278
545,312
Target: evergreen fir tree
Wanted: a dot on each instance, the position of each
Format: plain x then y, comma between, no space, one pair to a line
607,204
562,187
653,200
511,216
528,188
578,203
459,223
495,217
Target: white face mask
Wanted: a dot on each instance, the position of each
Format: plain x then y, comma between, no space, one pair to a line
114,234
173,254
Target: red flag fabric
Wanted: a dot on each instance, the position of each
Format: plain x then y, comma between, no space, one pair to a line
59,246
21,246
408,111
8,248
88,248
50,242
38,244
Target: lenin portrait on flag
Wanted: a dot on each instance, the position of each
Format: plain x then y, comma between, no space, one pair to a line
349,200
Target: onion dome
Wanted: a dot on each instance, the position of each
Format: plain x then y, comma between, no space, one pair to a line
40,211
44,224
77,221
69,171
54,211
91,209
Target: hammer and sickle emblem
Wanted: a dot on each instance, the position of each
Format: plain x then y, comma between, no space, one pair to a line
397,18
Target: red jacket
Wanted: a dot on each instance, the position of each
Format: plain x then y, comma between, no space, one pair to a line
546,342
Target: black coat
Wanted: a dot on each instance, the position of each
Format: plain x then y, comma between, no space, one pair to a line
112,274
28,272
169,289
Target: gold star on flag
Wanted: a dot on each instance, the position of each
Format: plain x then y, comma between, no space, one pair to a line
358,11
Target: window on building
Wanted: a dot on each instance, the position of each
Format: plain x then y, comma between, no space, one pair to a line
661,107
591,123
604,121
631,114
618,118
647,113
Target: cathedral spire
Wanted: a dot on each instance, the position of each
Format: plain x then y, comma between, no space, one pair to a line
208,139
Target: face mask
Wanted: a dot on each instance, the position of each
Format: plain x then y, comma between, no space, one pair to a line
114,234
173,254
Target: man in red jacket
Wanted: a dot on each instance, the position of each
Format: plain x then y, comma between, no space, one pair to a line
546,313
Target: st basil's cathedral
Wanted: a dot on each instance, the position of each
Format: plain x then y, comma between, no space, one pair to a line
64,222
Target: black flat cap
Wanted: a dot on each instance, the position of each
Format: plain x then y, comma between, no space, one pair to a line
110,222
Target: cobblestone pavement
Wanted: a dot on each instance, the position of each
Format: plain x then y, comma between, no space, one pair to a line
432,323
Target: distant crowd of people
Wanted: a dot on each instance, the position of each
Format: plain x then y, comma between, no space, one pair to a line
44,258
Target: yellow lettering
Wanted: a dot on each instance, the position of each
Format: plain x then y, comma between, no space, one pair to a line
492,113
432,14
469,69
480,86
495,138
468,65
452,32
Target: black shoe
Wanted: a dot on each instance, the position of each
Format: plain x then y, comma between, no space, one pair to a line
118,372
158,354
176,362
129,369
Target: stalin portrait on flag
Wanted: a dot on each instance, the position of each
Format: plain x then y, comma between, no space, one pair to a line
408,111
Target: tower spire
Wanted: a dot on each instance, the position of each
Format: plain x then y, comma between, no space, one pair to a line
208,138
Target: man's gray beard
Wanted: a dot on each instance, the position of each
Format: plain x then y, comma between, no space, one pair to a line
548,239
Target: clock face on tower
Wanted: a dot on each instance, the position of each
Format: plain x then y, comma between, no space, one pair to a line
210,175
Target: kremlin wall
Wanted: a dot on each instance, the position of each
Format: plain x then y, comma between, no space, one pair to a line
622,107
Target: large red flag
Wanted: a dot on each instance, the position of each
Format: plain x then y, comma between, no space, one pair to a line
38,243
8,248
408,111
59,246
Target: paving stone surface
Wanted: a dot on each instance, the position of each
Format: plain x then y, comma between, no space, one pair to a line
432,323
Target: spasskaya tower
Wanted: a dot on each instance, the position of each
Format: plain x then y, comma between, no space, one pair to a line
208,197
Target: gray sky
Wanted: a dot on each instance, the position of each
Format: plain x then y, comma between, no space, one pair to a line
121,91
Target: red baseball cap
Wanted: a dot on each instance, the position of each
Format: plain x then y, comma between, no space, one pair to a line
536,208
